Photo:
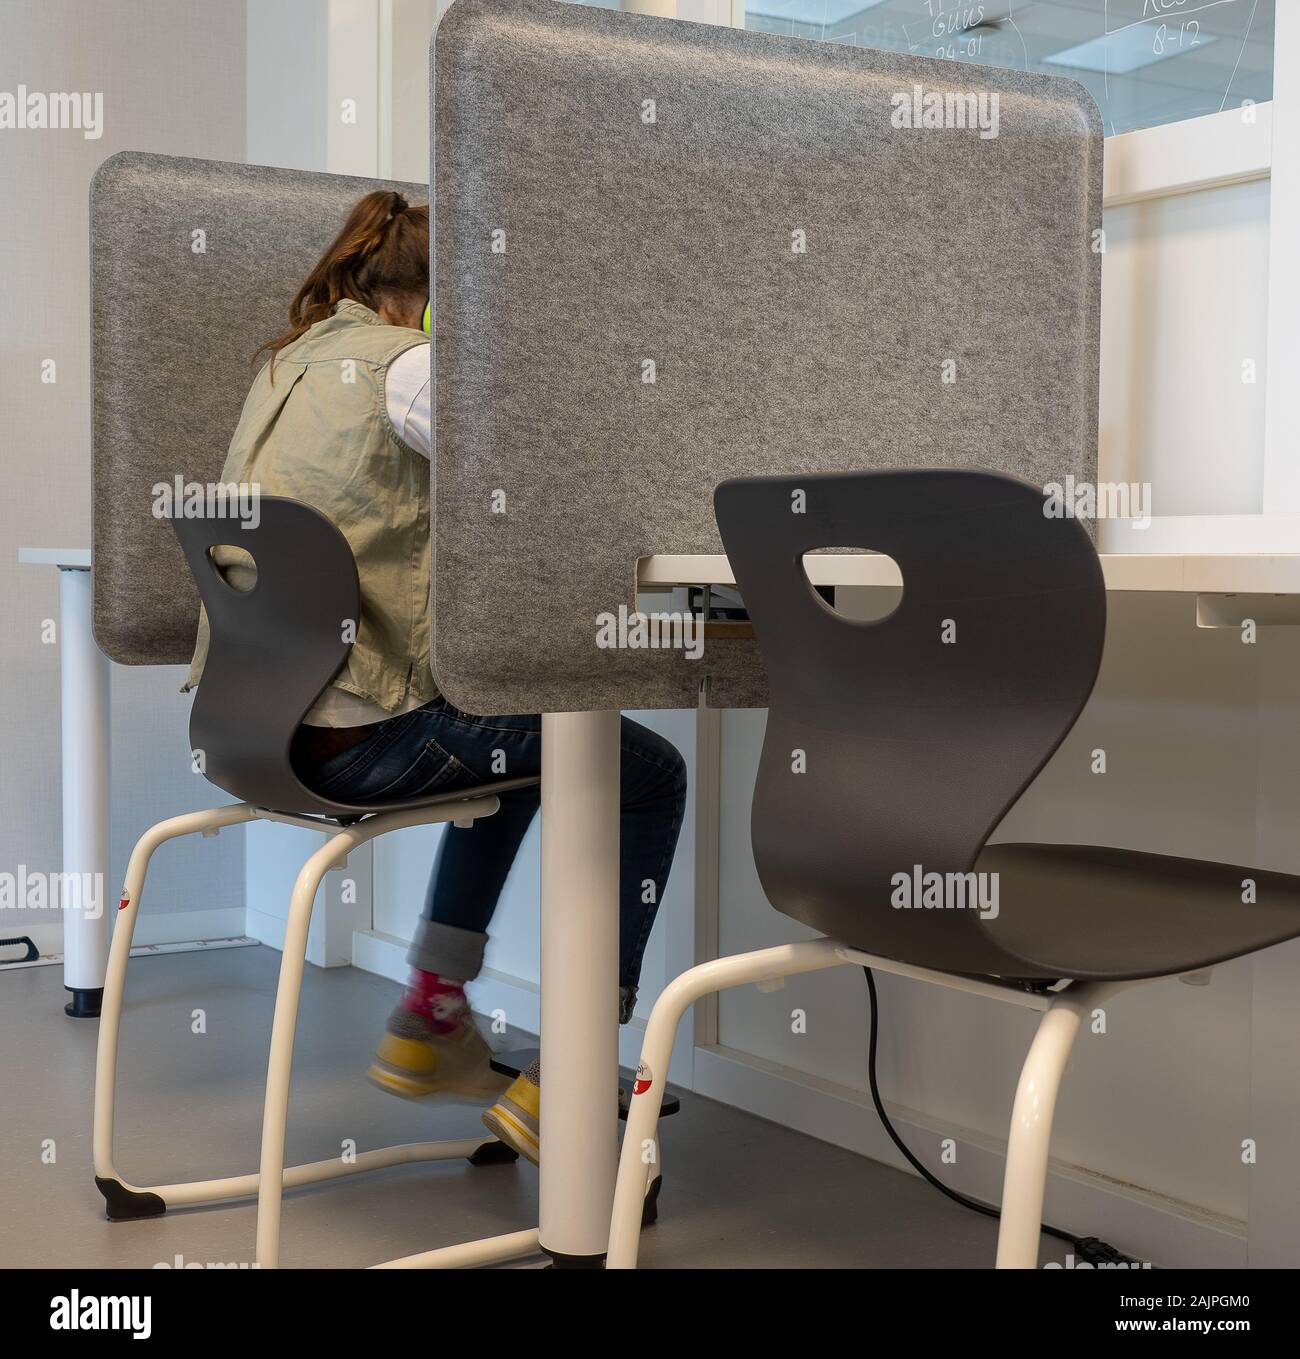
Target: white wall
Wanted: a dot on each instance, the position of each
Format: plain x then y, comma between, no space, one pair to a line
1184,307
412,25
287,56
234,81
172,78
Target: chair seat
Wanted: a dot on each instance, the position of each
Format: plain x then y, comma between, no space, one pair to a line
354,811
1101,914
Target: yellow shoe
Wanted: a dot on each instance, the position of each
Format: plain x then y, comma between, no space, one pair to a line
414,1062
514,1118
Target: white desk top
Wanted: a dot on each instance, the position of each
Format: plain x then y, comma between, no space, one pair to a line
1173,573
1178,554
66,558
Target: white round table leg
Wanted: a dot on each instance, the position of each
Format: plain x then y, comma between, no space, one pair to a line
579,1115
84,700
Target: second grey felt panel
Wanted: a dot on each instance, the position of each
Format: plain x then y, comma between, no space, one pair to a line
613,189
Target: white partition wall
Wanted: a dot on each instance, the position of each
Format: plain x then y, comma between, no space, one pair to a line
190,58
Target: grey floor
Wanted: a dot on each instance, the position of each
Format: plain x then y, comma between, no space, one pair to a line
738,1191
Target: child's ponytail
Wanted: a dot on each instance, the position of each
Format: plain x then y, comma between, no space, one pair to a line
380,256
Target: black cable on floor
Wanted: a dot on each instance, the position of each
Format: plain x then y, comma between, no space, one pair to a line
1091,1249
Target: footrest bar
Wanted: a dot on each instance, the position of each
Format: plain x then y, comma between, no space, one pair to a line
489,1250
121,1196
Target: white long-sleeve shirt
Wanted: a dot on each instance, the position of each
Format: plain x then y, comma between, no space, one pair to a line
409,395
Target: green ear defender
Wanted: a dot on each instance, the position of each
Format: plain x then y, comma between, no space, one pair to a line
425,323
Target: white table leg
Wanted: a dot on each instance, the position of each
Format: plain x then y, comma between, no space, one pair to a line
579,1115
83,685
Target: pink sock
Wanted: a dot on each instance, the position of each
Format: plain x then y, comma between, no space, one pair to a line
441,1000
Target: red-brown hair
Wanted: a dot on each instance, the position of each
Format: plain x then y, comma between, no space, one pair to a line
381,257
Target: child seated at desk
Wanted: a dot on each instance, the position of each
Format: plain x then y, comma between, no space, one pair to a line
358,450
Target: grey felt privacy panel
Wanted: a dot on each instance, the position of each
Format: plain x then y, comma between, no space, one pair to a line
175,320
627,240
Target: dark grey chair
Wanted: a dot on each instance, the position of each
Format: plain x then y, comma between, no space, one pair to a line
273,650
893,750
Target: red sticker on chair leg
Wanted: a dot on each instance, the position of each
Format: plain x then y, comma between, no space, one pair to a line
644,1079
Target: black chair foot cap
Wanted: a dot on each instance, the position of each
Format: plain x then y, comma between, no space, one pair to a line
559,1261
85,1004
650,1208
493,1154
122,1204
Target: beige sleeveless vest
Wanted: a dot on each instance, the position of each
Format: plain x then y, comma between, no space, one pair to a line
320,433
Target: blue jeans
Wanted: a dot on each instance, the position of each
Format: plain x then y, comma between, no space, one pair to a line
438,748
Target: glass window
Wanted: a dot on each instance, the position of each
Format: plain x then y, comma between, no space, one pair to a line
1144,61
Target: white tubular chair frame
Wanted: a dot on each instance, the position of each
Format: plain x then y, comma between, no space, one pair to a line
1025,1175
273,1176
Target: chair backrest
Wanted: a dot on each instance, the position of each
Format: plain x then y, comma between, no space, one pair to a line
272,649
895,747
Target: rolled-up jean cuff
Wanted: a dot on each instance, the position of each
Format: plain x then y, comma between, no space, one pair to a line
447,950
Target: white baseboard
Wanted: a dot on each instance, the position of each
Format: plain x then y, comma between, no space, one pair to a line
181,926
168,927
269,929
382,954
1140,1223
265,928
47,938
